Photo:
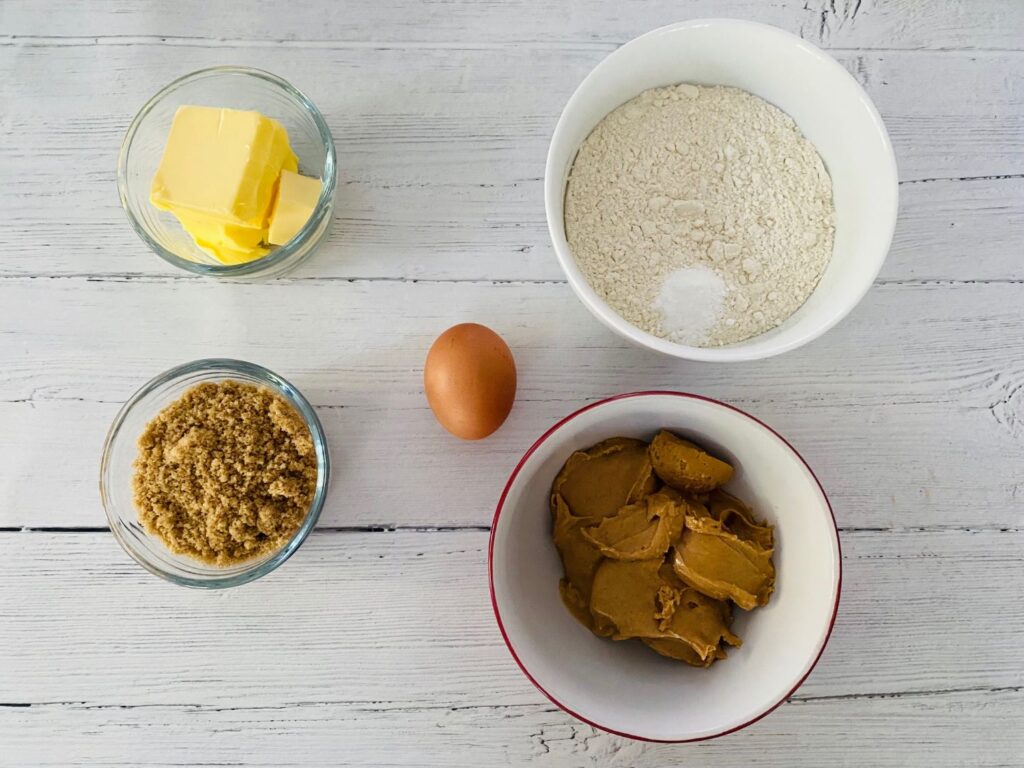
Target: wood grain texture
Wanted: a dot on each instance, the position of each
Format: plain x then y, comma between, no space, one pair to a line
402,620
441,173
911,411
949,730
866,24
375,644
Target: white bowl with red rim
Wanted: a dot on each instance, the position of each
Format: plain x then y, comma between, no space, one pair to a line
624,687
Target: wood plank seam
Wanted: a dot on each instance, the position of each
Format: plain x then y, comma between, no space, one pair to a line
115,277
567,44
386,528
403,707
33,41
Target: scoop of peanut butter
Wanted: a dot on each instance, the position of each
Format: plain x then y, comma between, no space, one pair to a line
729,558
598,481
685,466
659,563
640,531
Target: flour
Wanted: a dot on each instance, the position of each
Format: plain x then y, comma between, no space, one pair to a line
689,177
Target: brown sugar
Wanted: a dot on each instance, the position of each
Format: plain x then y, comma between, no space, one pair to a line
225,473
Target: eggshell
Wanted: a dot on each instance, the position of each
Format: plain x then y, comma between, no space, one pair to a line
470,380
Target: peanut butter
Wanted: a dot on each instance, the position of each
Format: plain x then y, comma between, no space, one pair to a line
654,549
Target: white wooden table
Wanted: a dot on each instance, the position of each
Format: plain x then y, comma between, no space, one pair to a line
375,644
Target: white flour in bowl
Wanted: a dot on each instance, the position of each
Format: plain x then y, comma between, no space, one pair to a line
688,178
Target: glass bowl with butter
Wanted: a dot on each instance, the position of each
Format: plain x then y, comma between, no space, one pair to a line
229,172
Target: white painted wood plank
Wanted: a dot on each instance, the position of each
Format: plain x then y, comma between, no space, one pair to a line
441,173
911,411
959,230
954,730
910,24
403,619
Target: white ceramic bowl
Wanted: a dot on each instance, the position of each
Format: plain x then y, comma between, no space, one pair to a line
623,687
829,107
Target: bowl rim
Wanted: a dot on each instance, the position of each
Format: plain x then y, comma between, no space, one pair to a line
283,388
500,508
740,351
281,254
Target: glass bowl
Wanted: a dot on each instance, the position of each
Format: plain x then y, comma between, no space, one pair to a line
236,88
120,451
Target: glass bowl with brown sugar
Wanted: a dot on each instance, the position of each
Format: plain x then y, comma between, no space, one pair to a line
214,473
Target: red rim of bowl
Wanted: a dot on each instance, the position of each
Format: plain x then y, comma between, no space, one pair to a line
490,565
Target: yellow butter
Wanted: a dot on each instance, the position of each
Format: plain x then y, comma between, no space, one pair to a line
296,198
227,243
226,255
217,234
290,162
282,159
221,164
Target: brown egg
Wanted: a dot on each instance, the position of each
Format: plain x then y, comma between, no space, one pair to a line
470,380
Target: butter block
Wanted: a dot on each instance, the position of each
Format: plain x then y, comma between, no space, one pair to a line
227,243
282,159
218,234
226,255
296,198
221,164
290,162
